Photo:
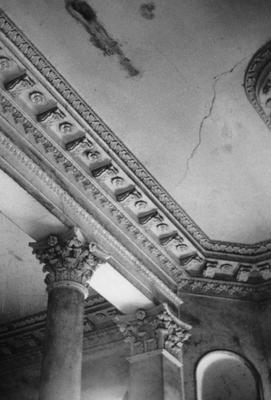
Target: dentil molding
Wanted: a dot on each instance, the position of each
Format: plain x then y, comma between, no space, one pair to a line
98,128
90,164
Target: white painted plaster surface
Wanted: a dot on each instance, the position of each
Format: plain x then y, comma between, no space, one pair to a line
22,290
26,212
223,375
110,284
105,377
231,326
182,53
22,220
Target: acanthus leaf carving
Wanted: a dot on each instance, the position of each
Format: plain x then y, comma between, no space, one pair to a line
26,48
186,262
66,258
153,329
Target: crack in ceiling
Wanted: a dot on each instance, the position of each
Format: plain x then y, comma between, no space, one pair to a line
216,80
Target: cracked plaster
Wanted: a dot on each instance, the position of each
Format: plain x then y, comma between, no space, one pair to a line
216,80
158,114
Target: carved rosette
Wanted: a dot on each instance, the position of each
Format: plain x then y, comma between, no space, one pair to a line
67,259
158,328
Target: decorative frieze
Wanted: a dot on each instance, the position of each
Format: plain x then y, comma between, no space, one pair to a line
103,170
47,117
231,271
234,290
194,266
115,147
59,197
89,155
220,270
157,328
105,173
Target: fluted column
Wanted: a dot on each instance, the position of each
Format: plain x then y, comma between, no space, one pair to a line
156,339
68,263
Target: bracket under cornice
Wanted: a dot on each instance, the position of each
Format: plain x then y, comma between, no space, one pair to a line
48,127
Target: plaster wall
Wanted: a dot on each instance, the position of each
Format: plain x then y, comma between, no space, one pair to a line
22,288
154,376
220,324
223,375
22,220
105,374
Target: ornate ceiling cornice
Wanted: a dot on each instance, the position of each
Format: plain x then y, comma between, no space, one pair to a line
49,132
228,271
232,290
32,177
257,83
107,138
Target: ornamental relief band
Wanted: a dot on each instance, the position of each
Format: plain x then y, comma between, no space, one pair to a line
67,260
68,140
53,121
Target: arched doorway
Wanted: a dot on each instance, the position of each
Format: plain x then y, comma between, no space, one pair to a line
224,375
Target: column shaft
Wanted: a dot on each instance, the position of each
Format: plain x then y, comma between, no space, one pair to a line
155,376
61,368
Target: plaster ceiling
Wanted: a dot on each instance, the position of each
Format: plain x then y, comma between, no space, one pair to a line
185,115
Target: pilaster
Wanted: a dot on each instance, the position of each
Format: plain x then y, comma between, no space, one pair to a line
156,338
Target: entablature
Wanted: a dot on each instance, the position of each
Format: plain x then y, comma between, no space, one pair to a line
61,151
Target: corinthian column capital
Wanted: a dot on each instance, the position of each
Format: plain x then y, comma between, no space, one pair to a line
154,329
68,260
